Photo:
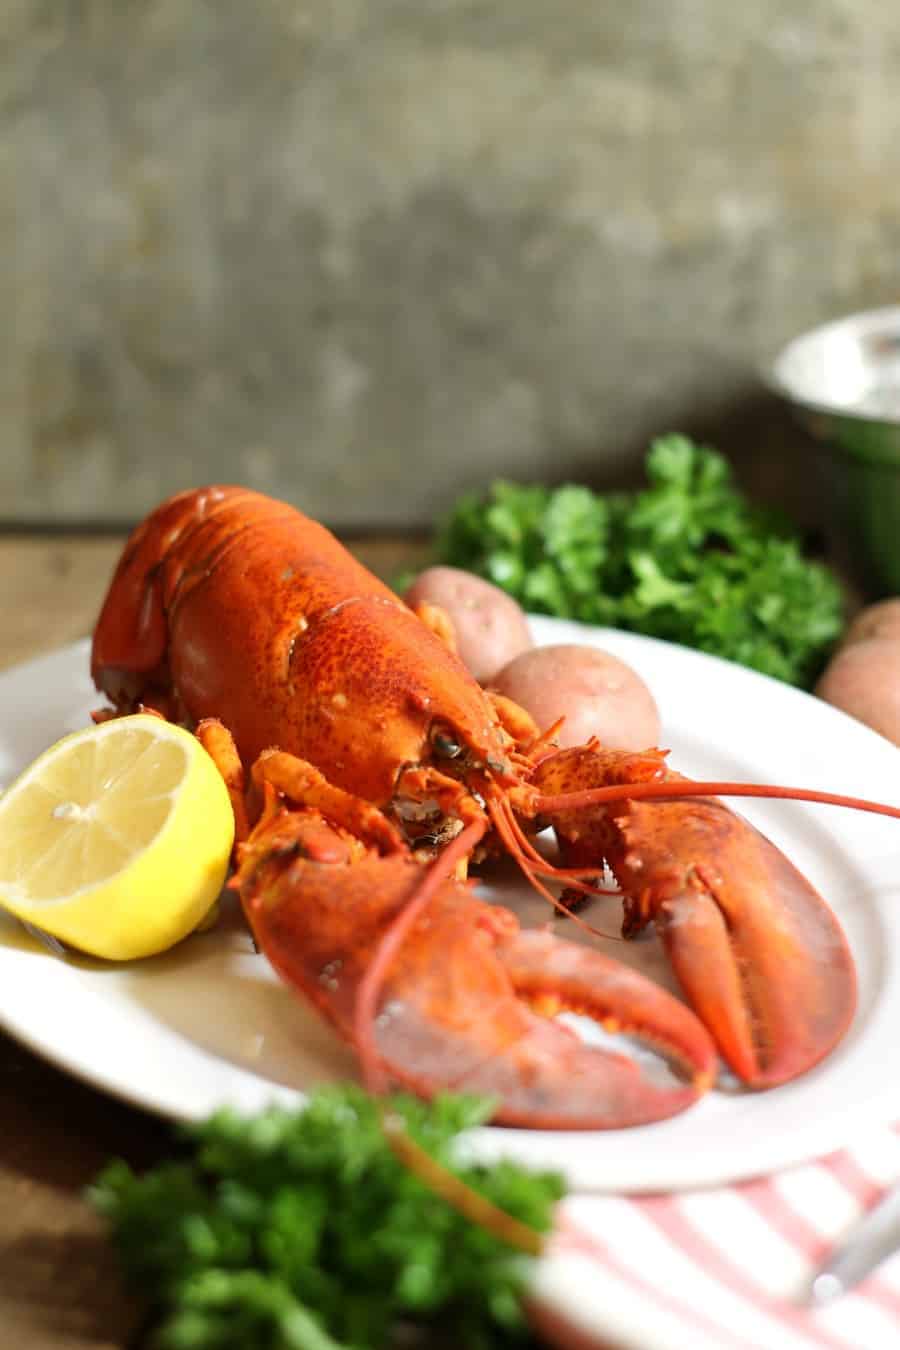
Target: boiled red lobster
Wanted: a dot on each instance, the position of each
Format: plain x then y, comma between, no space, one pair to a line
367,768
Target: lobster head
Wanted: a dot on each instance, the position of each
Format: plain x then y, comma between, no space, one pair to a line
387,696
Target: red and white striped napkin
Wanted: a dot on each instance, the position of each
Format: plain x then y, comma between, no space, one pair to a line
725,1268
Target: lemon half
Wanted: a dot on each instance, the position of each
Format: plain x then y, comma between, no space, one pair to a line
117,838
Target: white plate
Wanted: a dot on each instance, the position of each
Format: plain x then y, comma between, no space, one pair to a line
208,1023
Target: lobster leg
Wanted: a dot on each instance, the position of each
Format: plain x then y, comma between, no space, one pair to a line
464,1003
759,954
219,745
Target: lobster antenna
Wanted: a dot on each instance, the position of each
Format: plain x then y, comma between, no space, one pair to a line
452,1189
370,986
575,876
502,818
687,787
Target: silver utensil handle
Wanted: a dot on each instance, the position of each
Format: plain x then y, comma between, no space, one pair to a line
874,1238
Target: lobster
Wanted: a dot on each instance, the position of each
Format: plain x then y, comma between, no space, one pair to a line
368,769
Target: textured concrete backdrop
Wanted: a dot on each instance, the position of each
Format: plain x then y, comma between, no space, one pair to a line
367,253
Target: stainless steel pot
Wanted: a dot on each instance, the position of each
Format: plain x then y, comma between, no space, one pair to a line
842,381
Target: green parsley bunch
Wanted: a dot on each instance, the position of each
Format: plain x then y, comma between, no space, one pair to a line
687,559
301,1230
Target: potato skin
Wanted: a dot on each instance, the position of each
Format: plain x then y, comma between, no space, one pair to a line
598,695
881,620
863,679
489,625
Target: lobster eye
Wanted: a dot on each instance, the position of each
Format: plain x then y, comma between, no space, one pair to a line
445,745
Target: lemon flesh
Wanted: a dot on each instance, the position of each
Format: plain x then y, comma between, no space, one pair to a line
116,839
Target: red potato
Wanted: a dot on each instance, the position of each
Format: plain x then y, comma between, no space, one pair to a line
598,695
881,620
863,679
490,628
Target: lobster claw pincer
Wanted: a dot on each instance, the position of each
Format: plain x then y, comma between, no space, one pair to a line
759,954
552,975
457,1010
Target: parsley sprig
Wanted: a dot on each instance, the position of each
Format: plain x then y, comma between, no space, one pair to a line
687,559
302,1230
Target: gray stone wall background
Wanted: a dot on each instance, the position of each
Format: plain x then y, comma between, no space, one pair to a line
366,254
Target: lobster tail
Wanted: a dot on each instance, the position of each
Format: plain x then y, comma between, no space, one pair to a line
130,648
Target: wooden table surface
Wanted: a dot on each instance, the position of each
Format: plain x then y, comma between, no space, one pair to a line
58,1285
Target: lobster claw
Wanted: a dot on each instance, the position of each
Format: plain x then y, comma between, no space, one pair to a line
759,954
458,1007
762,960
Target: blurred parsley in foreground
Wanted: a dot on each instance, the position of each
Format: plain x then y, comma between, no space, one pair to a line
687,559
302,1231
